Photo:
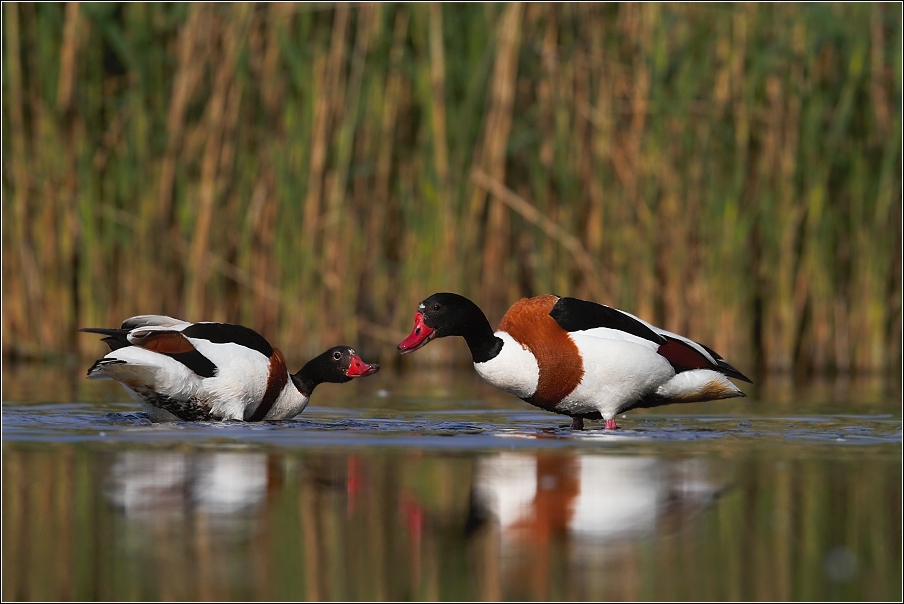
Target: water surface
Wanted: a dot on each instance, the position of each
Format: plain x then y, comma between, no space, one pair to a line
435,486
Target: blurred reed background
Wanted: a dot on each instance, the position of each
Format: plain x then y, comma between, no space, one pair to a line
730,172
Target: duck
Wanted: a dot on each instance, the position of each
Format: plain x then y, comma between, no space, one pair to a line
576,357
179,370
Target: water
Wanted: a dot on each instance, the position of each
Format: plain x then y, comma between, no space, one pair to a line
434,486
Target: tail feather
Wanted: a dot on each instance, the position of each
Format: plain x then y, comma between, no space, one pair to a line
730,371
692,387
98,369
116,338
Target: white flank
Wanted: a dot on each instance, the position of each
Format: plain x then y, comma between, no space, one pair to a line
290,403
617,335
617,373
146,370
241,379
514,369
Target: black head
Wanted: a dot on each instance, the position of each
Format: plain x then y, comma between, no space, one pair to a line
337,365
446,314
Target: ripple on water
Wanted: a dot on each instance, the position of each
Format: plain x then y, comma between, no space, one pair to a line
326,426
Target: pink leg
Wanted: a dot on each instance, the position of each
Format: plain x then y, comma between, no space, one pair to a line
610,424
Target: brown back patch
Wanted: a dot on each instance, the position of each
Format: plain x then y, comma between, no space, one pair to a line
276,381
164,342
561,368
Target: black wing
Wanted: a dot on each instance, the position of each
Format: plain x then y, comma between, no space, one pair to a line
226,333
578,315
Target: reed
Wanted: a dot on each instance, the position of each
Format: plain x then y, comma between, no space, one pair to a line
313,171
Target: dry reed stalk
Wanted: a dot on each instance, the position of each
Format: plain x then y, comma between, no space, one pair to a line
21,315
447,259
320,128
582,160
546,91
495,271
893,347
68,51
593,159
552,230
789,213
381,193
67,271
330,103
338,293
263,208
191,68
194,297
695,325
639,24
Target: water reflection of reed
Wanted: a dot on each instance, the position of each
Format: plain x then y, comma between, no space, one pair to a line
82,523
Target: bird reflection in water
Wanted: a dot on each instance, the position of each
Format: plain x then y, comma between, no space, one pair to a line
583,506
223,487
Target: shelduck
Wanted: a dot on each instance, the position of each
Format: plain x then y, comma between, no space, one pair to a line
577,358
199,371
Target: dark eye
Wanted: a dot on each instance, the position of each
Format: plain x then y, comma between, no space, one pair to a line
337,355
436,306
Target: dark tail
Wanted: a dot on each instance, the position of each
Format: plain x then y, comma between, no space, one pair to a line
103,363
731,371
116,338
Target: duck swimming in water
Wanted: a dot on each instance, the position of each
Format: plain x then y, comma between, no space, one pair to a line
577,358
203,371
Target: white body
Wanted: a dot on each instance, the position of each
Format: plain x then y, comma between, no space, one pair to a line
620,369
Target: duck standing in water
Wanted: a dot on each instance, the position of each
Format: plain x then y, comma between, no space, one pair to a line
202,371
577,358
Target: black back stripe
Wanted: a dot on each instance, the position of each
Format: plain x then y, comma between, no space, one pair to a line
195,361
578,315
226,333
